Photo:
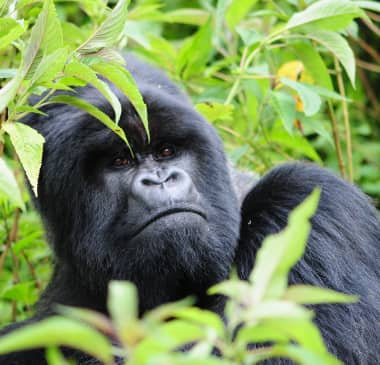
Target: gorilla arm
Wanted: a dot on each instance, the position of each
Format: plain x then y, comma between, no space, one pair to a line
342,252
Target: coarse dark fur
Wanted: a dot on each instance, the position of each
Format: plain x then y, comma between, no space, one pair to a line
92,211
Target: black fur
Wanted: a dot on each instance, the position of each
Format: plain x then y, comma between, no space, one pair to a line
91,213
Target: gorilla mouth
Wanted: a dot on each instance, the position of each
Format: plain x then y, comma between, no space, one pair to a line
166,213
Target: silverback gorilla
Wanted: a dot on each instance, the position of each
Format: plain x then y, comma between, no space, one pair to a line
170,219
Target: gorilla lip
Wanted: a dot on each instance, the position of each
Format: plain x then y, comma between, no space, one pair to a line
167,212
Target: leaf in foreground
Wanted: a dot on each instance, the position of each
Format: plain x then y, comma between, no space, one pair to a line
92,110
56,331
281,251
28,144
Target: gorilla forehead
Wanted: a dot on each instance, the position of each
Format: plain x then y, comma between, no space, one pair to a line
169,119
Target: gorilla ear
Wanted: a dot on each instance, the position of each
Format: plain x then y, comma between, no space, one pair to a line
242,181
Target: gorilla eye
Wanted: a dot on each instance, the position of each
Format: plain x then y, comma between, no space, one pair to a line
167,151
119,162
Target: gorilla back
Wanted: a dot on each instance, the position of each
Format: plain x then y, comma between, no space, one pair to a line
158,218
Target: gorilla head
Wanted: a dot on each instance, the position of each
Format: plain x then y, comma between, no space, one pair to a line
165,217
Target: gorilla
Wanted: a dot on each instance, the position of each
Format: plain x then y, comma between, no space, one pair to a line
173,218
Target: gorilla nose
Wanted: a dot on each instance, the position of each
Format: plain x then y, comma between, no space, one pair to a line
160,178
160,186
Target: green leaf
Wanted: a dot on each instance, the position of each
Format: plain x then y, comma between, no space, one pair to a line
339,47
9,91
215,111
283,330
28,109
331,15
310,100
293,142
185,16
28,144
298,354
92,110
281,251
305,294
49,66
235,289
56,331
122,302
21,292
89,316
55,357
328,93
85,73
276,309
45,38
286,108
369,5
122,79
7,73
314,64
10,30
201,317
237,11
9,187
109,31
196,51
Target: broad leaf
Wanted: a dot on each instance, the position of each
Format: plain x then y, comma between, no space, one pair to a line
46,37
331,15
237,11
339,47
109,31
57,331
280,252
49,66
9,91
314,64
286,108
122,78
196,51
28,144
305,294
92,110
85,73
310,100
10,30
8,185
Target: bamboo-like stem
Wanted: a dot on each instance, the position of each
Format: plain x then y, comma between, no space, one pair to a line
338,148
346,119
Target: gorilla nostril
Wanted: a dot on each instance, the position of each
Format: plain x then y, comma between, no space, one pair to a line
172,177
148,182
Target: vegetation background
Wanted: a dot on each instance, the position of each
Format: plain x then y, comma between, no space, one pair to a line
280,80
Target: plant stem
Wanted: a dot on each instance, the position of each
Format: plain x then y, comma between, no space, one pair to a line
338,148
345,118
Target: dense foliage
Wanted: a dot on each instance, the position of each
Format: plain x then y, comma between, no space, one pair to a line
280,80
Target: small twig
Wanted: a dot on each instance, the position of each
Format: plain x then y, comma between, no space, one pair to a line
12,237
372,27
370,92
32,271
338,148
368,66
346,119
373,16
4,255
366,47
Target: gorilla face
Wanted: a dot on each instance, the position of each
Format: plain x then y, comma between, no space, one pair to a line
165,216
